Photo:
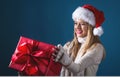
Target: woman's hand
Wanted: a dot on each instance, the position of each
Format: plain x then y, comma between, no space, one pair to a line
61,56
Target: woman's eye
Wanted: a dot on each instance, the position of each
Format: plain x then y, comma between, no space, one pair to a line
84,24
75,24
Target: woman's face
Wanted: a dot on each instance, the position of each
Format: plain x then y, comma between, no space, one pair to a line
81,28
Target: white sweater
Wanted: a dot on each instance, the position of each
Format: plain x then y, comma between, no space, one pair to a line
88,64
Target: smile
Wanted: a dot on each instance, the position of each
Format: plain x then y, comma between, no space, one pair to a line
78,31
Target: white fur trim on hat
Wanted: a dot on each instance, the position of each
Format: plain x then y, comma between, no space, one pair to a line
98,31
84,14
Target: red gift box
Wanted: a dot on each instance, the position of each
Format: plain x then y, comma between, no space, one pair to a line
34,58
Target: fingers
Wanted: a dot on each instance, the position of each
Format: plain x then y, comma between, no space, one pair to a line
58,57
58,53
59,46
54,55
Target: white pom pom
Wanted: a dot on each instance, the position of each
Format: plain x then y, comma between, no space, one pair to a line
98,31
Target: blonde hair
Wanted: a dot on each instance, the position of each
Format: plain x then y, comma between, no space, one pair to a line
90,40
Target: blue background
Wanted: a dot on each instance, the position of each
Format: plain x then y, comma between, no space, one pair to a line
51,21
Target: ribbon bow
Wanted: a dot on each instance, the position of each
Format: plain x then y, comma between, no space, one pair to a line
32,59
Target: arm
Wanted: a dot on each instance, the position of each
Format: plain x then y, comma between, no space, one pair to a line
94,56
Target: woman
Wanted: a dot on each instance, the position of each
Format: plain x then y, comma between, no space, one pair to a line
82,56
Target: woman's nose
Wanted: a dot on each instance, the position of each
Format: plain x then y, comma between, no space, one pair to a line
78,26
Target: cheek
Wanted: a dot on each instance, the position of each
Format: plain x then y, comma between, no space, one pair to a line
75,27
85,30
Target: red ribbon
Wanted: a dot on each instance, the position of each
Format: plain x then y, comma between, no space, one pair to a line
32,58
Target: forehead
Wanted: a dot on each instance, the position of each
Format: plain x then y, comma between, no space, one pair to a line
80,21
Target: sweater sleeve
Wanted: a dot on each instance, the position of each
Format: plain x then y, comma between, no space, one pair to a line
66,46
66,49
92,57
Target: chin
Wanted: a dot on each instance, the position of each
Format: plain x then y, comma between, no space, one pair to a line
80,36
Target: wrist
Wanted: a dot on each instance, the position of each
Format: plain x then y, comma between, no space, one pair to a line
70,62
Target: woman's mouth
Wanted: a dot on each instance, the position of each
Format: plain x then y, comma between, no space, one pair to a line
78,32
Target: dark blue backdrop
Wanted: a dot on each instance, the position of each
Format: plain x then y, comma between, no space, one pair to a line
50,21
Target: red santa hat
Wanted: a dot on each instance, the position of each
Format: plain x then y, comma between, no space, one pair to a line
92,16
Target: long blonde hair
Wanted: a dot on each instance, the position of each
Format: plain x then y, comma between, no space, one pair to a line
90,40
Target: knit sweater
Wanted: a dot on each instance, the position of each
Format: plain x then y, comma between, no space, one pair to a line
87,64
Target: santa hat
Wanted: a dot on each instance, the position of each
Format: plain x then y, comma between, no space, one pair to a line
92,16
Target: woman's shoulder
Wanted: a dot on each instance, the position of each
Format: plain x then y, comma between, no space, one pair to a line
97,46
67,44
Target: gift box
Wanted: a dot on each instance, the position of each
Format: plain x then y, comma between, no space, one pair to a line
34,58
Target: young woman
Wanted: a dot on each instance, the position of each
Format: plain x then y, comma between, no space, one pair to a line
82,55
